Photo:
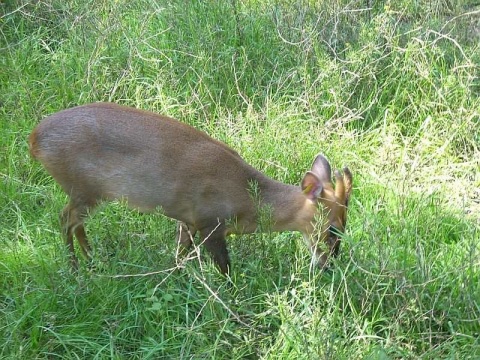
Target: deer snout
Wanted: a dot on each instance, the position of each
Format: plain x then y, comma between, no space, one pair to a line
326,248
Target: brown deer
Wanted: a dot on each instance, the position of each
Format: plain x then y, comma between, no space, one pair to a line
104,151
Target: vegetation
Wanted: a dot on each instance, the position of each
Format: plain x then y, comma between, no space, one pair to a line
390,88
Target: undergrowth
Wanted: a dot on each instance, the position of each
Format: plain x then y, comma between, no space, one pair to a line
390,89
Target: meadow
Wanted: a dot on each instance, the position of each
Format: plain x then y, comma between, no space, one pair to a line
389,88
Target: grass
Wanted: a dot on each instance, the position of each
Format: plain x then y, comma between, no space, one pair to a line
391,90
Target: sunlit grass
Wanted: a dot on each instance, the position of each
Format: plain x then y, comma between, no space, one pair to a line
391,91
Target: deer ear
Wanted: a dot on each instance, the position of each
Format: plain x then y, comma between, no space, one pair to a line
348,180
311,186
321,168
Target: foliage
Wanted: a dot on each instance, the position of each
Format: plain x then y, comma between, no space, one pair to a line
389,88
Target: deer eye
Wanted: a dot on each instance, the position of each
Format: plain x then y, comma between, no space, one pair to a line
333,231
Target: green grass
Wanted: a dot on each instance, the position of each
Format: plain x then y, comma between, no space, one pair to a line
391,91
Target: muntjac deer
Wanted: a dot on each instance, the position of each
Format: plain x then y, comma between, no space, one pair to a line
104,151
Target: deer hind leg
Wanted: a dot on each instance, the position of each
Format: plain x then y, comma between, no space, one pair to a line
71,219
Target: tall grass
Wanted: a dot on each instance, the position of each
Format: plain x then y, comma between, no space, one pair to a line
389,88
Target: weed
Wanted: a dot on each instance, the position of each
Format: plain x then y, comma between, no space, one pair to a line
388,88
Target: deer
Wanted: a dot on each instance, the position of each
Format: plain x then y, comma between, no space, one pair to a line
104,151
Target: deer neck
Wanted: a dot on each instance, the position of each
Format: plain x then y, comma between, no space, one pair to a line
283,206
